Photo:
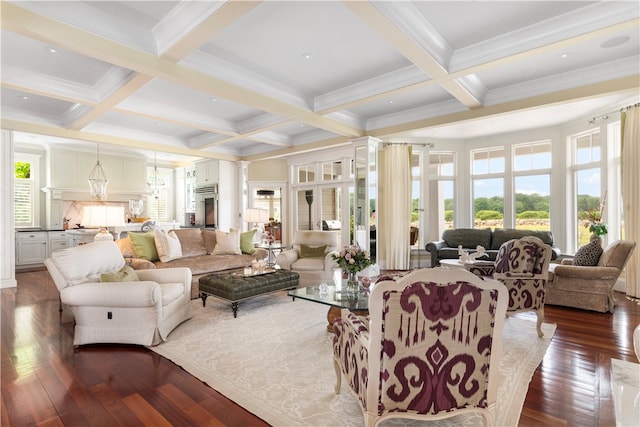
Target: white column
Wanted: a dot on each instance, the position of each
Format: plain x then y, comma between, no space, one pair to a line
7,232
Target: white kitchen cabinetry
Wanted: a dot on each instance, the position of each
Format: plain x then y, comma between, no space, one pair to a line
70,170
207,173
57,240
80,237
31,247
55,216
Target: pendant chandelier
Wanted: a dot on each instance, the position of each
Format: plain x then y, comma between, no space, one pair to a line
155,180
98,180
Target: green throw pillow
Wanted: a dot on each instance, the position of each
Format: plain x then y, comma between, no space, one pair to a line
246,242
313,251
125,274
144,245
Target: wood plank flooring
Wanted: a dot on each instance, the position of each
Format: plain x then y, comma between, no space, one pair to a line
48,382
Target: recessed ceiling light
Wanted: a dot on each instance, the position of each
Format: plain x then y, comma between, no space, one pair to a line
24,97
301,125
50,49
158,124
212,99
306,55
564,55
616,41
391,101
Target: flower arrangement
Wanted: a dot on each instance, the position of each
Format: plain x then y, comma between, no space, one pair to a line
593,217
352,259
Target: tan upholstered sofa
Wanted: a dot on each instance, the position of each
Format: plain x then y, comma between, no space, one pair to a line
586,287
197,246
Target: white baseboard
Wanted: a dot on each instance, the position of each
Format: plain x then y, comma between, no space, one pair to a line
8,283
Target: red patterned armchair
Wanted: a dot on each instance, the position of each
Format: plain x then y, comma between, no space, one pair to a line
430,348
523,266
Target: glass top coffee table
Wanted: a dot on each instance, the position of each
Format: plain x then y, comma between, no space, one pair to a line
338,299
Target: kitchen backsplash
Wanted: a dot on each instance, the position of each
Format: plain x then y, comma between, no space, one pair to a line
73,210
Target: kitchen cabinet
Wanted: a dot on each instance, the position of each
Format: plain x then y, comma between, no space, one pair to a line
80,237
56,240
70,169
55,216
207,173
31,247
190,189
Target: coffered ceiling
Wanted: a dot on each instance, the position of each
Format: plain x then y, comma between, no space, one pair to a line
251,80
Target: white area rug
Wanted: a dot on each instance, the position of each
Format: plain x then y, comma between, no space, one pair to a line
276,360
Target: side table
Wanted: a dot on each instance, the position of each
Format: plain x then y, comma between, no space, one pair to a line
271,250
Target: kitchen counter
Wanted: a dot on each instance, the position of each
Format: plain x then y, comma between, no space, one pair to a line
31,230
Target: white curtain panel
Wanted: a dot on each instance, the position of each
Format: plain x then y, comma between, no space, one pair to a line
631,193
394,209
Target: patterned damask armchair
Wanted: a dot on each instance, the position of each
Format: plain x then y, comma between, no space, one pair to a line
430,348
523,266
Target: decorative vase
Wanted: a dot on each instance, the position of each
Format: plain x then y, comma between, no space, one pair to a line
594,236
352,282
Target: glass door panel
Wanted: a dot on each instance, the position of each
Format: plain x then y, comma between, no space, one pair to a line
304,210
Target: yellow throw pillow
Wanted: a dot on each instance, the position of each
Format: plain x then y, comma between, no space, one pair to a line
227,243
125,274
313,251
144,245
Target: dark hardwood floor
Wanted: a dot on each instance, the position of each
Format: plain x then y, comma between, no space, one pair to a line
48,382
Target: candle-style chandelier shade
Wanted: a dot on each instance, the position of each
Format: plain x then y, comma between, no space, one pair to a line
98,180
155,180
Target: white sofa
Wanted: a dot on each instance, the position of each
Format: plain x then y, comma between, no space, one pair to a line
312,270
131,312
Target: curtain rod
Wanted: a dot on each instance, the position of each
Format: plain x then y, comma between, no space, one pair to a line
605,116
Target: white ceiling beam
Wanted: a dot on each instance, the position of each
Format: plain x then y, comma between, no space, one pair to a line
23,22
108,139
219,19
558,97
411,49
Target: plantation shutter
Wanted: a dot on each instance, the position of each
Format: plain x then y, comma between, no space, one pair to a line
23,202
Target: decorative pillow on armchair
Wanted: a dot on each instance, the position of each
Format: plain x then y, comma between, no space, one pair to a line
588,255
125,274
313,251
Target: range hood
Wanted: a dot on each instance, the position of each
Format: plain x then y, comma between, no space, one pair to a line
84,195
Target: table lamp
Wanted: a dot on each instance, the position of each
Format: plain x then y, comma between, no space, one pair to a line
257,217
103,216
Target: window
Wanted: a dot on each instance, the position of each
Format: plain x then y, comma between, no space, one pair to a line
25,195
488,168
158,209
305,173
587,181
532,185
441,183
332,171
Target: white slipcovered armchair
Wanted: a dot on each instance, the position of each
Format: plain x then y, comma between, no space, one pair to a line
312,269
142,311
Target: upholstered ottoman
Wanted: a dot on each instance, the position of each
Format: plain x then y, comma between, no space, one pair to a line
233,286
